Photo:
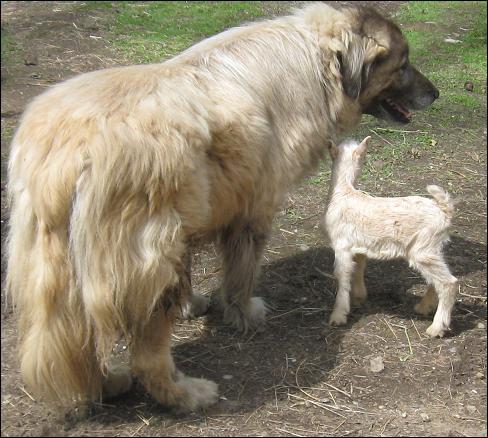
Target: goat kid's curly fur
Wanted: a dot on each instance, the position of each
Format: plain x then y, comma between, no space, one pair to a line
115,174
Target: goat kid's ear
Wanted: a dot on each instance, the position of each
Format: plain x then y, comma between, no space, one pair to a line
363,146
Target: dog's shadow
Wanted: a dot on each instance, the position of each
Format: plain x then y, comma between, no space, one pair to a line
259,368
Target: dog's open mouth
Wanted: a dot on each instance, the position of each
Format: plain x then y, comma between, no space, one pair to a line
396,110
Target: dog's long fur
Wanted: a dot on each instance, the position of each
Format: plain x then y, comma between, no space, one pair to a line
114,175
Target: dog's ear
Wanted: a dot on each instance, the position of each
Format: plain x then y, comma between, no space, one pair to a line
355,60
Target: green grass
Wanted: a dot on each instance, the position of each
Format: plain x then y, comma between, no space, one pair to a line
9,46
449,65
152,31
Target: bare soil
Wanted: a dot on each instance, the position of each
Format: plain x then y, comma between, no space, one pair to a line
299,377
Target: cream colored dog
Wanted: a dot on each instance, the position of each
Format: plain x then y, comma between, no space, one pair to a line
114,175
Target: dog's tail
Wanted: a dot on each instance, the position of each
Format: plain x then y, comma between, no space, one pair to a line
57,351
442,199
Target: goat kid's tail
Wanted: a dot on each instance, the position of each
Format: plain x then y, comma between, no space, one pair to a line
442,199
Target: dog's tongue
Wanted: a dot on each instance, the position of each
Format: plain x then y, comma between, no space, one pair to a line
401,109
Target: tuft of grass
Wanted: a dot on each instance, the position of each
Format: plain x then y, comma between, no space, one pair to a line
9,46
153,31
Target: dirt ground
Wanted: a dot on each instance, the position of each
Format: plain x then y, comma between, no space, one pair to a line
294,379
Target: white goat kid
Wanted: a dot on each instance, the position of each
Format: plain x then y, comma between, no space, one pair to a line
412,227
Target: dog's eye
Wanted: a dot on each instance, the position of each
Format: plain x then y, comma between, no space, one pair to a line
403,68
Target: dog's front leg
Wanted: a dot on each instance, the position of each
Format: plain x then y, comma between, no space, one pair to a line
241,246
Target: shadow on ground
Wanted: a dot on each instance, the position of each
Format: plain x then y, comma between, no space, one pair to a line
260,369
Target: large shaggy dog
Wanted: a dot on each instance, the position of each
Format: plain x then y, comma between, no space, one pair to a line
114,175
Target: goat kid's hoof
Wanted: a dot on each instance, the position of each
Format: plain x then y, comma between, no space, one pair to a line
337,319
434,332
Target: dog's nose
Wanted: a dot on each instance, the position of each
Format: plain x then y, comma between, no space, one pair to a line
436,93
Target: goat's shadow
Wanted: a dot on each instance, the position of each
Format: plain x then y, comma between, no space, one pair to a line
254,369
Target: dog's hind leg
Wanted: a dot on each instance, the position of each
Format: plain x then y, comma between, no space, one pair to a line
152,363
241,247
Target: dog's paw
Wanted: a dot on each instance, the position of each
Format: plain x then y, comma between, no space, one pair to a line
198,393
338,318
253,317
196,307
118,380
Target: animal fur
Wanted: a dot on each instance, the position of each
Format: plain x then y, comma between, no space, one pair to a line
411,227
114,175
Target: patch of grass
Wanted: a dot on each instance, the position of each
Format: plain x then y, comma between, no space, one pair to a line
9,46
152,31
448,66
323,175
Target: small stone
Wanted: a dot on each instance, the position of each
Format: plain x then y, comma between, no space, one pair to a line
425,417
451,40
376,364
304,247
30,59
480,375
453,350
227,377
468,86
471,409
415,153
381,407
404,414
480,325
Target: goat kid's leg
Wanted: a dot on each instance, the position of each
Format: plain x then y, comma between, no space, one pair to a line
436,272
428,303
241,246
358,288
343,269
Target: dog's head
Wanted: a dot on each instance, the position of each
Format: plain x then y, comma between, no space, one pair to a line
371,56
